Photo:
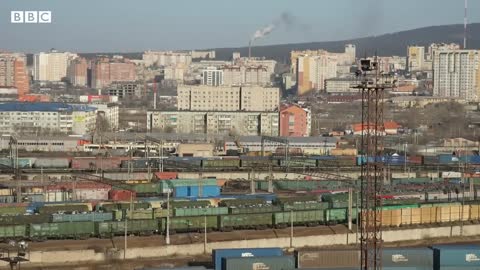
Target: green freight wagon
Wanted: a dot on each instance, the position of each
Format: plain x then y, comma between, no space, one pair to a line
305,206
299,162
244,221
189,224
242,202
52,209
290,200
266,208
161,213
137,205
13,210
9,232
186,204
308,218
62,230
24,219
139,214
209,211
137,227
91,216
336,215
221,163
398,206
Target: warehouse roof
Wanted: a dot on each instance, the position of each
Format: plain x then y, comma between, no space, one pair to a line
43,107
314,139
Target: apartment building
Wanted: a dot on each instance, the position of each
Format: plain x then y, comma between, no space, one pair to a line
13,72
51,66
77,72
105,71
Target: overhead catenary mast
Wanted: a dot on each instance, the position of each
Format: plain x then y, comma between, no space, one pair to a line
372,86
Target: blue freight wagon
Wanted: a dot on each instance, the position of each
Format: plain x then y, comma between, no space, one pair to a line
408,258
219,254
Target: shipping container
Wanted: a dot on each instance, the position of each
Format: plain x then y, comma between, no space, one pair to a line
263,263
219,254
196,191
328,259
62,230
244,221
456,257
420,258
137,227
59,163
91,216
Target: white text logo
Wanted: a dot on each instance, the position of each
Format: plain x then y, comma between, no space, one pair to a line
30,16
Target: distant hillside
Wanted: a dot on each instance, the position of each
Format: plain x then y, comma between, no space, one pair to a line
384,45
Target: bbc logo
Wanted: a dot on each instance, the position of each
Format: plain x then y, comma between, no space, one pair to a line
31,17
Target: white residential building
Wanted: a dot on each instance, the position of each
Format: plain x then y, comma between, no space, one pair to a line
51,66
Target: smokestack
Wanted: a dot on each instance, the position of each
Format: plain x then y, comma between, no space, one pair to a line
249,49
465,22
154,94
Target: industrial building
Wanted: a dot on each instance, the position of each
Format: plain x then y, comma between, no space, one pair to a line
341,85
305,145
36,117
226,98
125,89
214,122
47,144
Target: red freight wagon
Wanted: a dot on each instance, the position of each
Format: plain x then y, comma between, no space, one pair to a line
121,195
166,175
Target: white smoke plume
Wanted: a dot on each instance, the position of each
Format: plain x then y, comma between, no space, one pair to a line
285,19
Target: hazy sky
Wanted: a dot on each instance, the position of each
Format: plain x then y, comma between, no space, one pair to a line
136,25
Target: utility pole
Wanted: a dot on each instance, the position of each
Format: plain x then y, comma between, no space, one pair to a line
205,234
350,202
291,228
167,233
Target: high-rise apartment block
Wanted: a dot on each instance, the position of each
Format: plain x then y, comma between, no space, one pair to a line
77,72
166,58
312,71
226,98
51,66
13,72
105,71
415,58
456,73
348,57
212,76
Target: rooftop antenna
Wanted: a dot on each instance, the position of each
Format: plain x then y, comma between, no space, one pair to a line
465,22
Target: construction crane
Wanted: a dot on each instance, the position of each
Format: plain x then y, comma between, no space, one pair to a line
372,86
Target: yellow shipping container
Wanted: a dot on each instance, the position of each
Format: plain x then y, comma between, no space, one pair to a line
5,192
416,215
37,190
406,217
396,217
474,212
387,218
428,215
343,152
